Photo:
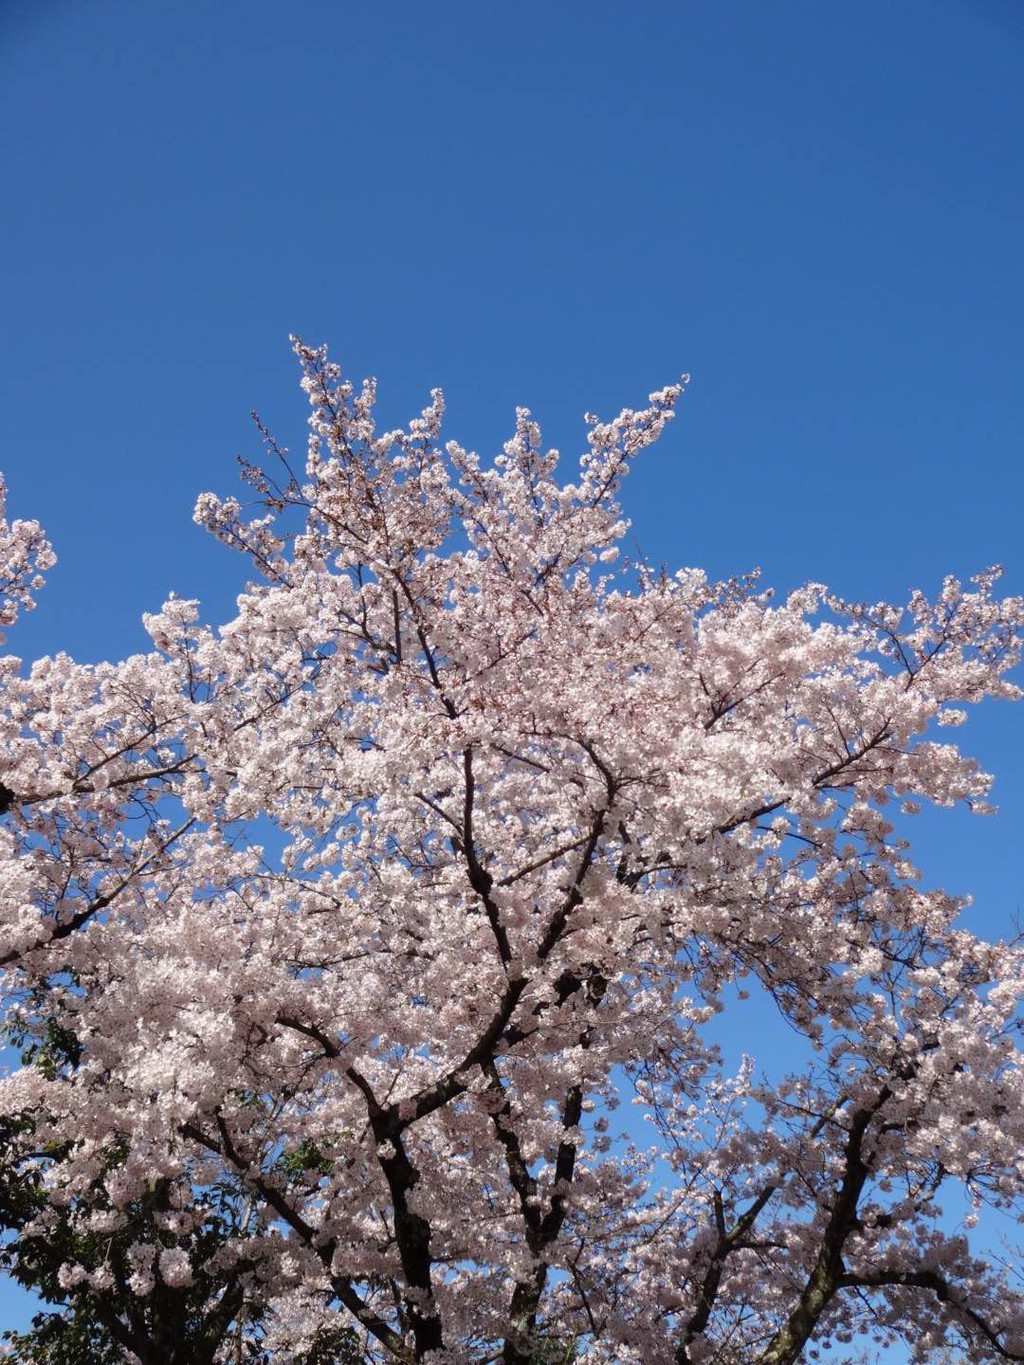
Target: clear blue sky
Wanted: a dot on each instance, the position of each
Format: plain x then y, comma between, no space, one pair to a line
815,209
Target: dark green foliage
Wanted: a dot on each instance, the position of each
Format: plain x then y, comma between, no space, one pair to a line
70,1337
334,1346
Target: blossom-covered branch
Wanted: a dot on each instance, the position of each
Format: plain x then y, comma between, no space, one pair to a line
334,938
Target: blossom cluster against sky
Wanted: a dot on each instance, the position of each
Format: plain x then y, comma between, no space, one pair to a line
815,210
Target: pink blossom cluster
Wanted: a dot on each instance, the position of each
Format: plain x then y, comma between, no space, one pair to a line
359,917
26,556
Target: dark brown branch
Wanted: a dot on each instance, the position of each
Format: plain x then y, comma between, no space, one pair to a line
820,780
729,1240
67,927
341,1285
479,878
788,1343
455,1081
518,1348
934,1282
412,1234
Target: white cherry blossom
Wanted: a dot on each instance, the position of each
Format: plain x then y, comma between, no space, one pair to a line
335,938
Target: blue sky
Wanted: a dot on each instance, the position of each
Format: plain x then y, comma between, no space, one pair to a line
815,209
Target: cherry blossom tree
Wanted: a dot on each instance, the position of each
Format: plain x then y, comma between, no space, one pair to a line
334,939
